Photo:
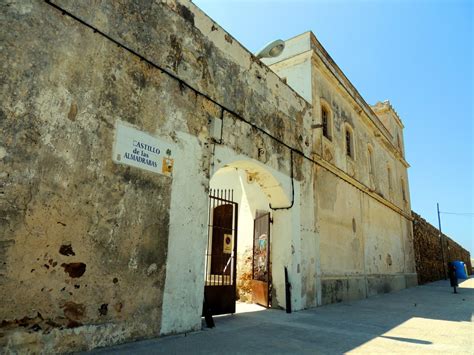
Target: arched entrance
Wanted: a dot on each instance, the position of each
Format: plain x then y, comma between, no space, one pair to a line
246,254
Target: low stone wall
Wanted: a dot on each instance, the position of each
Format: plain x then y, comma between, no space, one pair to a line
428,255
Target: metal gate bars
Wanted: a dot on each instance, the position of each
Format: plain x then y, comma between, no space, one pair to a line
221,253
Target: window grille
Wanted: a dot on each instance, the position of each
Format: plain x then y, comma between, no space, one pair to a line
349,150
324,115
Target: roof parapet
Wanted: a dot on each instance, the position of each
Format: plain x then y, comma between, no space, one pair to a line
385,106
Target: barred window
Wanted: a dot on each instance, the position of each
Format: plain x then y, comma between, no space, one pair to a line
349,144
325,122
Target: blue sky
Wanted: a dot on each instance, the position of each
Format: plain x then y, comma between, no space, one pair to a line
418,54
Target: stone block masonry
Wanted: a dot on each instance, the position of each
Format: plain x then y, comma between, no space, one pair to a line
428,254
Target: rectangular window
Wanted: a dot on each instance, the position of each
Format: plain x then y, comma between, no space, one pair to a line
324,115
403,191
348,143
389,177
371,162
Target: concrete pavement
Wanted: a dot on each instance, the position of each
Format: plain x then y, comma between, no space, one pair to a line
423,319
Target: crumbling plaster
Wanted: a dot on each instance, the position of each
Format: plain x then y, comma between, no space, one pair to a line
71,217
354,229
134,241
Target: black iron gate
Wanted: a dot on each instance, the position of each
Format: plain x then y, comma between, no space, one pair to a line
221,252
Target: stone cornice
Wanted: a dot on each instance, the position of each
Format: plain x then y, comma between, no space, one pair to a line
339,75
370,118
359,185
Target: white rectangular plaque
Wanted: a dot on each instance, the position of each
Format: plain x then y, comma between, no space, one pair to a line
142,150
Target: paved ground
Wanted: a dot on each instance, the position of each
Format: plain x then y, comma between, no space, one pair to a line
423,319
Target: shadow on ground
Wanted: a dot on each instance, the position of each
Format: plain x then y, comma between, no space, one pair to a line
428,318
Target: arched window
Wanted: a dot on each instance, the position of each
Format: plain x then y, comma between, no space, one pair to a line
389,178
370,156
404,194
326,121
349,142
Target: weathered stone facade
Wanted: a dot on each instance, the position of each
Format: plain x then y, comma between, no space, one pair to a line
96,253
85,241
429,256
362,205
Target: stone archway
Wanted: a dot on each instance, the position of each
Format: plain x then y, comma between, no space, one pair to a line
257,188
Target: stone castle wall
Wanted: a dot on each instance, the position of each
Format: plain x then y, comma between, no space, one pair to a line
428,255
95,253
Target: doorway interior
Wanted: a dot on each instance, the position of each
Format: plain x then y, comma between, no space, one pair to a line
238,256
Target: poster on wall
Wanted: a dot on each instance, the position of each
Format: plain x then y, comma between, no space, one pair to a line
228,245
142,150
